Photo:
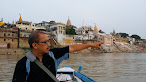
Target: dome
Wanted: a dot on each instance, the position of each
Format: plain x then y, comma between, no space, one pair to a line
2,23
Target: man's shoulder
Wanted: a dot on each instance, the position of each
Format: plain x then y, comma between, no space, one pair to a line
22,60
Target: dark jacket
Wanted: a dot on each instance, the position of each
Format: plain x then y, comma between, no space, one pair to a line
36,73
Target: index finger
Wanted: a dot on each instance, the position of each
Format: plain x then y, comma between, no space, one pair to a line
101,42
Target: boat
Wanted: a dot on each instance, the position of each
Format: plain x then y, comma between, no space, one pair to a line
67,74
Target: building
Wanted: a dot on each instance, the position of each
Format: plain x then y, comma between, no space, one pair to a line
107,38
118,38
8,38
25,25
85,33
46,25
58,32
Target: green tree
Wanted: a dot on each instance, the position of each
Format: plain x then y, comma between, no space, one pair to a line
2,26
70,31
136,36
124,35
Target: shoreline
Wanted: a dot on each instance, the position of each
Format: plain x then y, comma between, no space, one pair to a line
23,51
102,51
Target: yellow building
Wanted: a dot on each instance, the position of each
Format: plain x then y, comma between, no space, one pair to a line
122,40
8,38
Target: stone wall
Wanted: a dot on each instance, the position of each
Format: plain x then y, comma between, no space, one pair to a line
11,51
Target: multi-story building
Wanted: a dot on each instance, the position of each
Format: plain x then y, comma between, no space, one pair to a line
107,38
85,33
8,38
15,38
58,32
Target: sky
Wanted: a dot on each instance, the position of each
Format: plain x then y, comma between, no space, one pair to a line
126,16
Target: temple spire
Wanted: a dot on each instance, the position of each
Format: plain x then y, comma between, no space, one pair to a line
114,33
95,29
20,19
68,22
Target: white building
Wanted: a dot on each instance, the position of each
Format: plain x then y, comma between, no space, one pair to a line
29,26
58,32
25,25
86,32
107,38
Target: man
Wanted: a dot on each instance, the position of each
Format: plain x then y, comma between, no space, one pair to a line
51,58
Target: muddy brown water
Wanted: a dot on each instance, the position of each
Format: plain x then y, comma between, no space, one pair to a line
103,67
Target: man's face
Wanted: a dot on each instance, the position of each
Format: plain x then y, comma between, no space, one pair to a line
43,46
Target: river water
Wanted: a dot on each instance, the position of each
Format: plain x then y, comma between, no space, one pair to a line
103,67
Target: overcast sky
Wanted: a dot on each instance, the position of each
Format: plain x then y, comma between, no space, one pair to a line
127,16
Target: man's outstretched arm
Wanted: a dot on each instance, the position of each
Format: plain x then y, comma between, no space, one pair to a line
78,47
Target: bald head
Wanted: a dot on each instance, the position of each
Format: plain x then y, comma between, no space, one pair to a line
34,37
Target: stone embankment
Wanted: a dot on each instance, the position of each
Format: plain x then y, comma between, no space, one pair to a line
11,51
116,48
122,47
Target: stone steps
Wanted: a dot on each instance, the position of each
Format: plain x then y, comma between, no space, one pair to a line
11,51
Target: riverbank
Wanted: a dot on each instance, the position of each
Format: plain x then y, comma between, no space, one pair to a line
12,51
116,48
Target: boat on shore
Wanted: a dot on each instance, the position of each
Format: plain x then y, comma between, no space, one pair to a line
68,74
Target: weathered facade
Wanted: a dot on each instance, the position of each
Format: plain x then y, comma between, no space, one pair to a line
8,38
122,40
107,38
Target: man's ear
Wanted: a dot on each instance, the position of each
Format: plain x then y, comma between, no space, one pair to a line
34,45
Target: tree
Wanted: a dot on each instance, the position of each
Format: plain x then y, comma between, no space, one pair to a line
70,31
124,35
2,26
136,36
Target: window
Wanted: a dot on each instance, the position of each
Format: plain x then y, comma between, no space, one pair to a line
12,40
55,28
8,34
12,34
4,39
4,34
26,28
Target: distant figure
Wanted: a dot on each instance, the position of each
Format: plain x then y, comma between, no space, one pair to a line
51,58
8,53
